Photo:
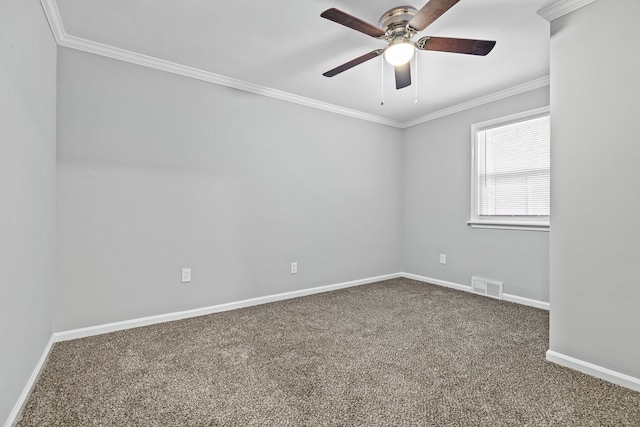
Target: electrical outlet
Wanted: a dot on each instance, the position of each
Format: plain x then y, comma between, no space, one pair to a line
443,258
294,268
186,275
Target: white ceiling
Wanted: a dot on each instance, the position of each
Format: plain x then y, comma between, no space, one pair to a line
285,45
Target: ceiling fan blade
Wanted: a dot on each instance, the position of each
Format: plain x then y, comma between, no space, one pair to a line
359,60
403,75
431,11
449,44
350,21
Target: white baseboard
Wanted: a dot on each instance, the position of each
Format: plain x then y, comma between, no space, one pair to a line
527,301
467,288
151,320
22,400
594,370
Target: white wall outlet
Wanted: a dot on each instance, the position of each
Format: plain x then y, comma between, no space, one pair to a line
443,258
294,267
186,275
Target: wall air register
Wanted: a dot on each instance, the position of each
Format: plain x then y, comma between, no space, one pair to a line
489,288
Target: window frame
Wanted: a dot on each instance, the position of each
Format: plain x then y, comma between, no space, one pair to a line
495,221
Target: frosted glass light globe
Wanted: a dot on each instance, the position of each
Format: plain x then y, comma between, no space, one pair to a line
399,52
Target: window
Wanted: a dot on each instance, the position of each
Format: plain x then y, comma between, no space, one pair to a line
511,172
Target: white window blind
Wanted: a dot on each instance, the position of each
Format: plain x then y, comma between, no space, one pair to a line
512,170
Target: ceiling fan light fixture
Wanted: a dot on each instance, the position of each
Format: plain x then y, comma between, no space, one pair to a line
399,51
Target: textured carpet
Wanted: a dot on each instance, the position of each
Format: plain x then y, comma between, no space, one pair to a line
398,352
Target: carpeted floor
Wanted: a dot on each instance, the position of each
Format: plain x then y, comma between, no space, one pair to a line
395,353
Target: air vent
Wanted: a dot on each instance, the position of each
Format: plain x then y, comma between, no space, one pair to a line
490,288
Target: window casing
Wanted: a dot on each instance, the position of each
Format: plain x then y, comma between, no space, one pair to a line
511,172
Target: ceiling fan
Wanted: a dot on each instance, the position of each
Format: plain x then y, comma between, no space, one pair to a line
401,24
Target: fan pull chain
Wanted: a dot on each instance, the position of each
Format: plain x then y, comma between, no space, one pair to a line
382,83
416,74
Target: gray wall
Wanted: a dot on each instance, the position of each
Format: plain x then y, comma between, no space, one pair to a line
27,193
437,185
157,172
594,245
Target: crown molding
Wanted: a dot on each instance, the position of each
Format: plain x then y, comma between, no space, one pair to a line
63,39
557,8
496,96
53,17
206,76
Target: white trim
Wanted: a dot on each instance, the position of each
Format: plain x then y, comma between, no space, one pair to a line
594,370
512,118
22,400
557,8
63,39
467,288
505,223
509,226
78,43
457,286
52,13
161,318
527,301
206,76
497,96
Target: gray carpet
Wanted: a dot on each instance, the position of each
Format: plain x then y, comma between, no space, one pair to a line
398,353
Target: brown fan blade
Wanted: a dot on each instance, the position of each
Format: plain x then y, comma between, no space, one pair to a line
403,75
359,60
448,44
347,20
431,11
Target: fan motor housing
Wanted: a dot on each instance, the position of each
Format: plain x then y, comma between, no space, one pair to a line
396,19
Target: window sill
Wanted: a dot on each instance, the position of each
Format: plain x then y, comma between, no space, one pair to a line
506,225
